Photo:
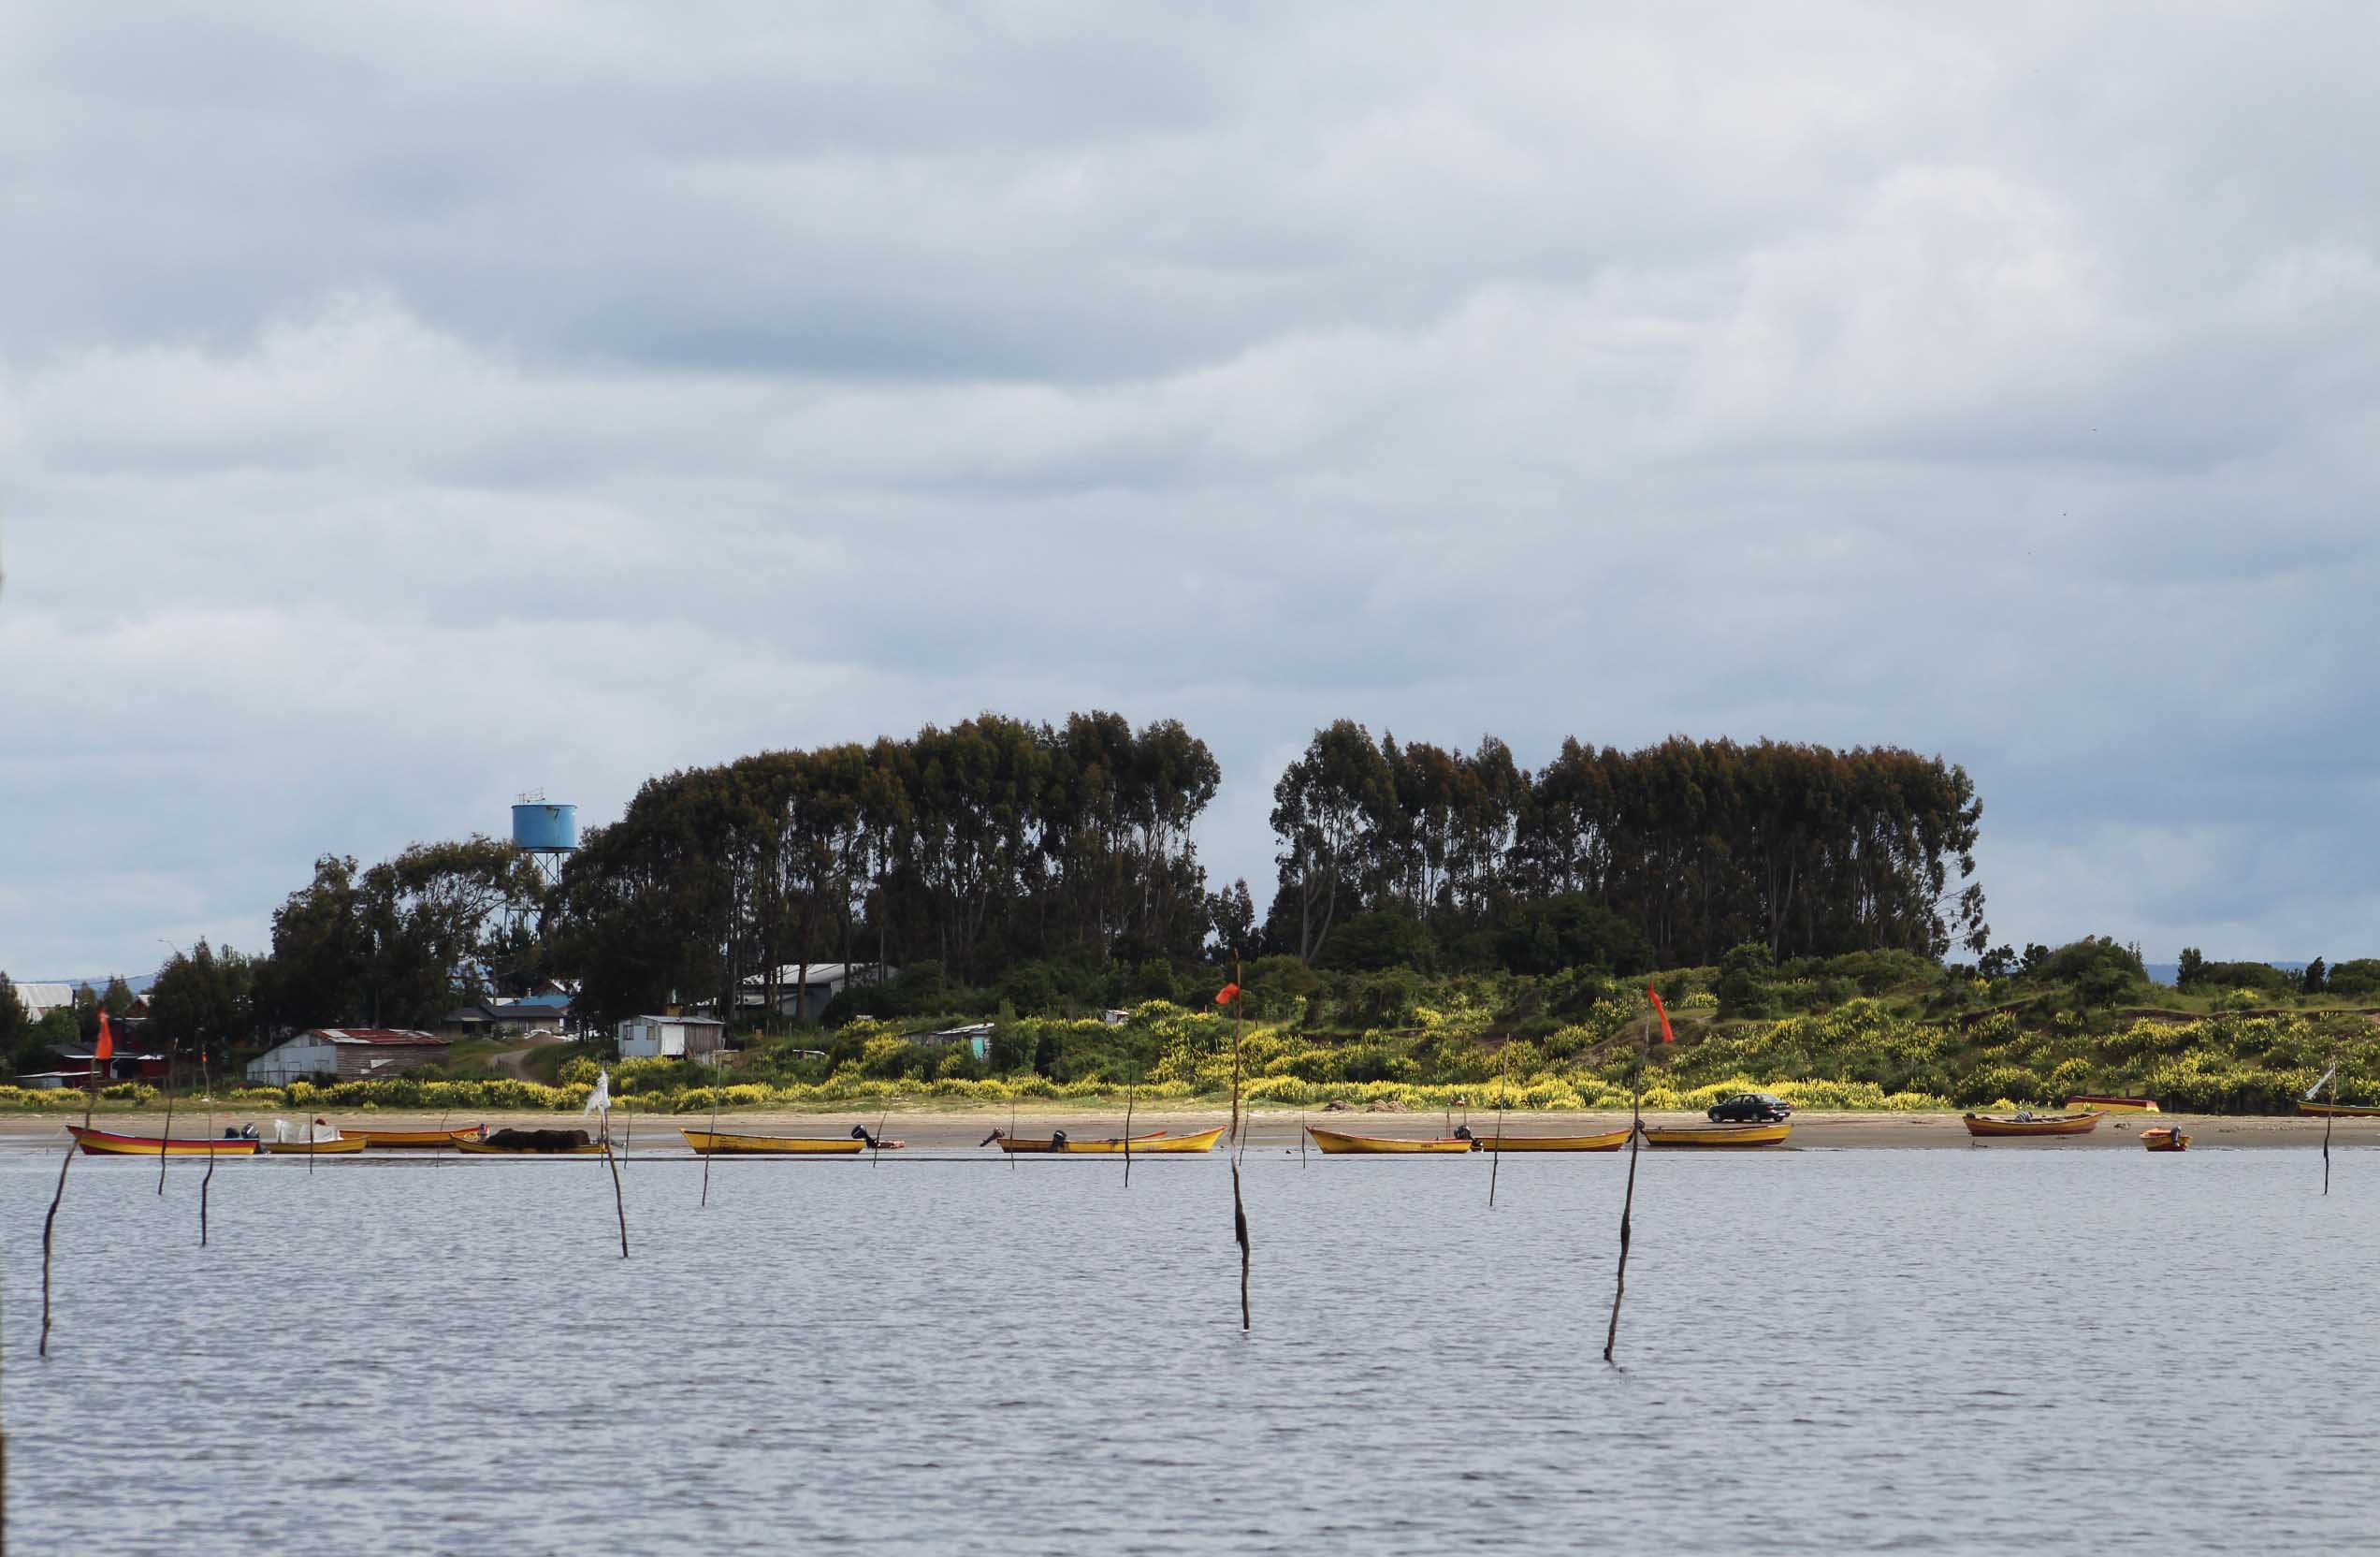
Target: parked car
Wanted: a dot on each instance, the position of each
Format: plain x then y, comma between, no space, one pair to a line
1751,1108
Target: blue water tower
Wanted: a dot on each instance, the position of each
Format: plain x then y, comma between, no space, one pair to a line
543,828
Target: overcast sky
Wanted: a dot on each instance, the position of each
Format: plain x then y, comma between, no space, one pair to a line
404,405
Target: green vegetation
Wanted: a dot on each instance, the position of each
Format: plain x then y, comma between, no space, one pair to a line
1861,1030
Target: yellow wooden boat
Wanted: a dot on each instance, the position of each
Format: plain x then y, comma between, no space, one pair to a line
1145,1145
107,1143
1336,1142
1056,1142
417,1140
2339,1111
1718,1135
719,1142
1609,1141
2047,1124
2165,1138
339,1146
2082,1101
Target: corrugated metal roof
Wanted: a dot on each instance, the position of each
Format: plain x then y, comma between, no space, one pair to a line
39,998
375,1035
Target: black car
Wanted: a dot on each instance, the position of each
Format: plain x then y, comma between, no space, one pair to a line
1751,1108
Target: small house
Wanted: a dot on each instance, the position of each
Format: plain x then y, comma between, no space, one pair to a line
347,1055
976,1039
671,1036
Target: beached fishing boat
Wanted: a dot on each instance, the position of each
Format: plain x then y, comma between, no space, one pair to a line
1717,1135
2165,1138
2032,1124
709,1141
2085,1100
1607,1141
1056,1141
1337,1142
2339,1111
534,1144
109,1144
337,1146
417,1140
1145,1145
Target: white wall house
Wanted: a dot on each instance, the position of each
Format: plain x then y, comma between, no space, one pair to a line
308,1057
671,1036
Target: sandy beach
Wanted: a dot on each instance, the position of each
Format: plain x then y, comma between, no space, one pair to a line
964,1128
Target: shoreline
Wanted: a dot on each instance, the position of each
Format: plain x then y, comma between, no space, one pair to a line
964,1127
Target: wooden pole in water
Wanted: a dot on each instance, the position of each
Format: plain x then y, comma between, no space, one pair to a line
619,1200
1628,1202
207,1089
1012,1111
49,1223
1502,1088
173,1052
875,1147
714,1151
1127,1138
2328,1121
1239,1207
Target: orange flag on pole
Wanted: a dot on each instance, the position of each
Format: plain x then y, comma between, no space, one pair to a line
107,1040
1667,1037
1227,994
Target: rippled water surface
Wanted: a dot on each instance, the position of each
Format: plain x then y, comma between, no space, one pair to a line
1825,1351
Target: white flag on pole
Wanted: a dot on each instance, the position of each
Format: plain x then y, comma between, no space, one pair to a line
599,1100
2323,1083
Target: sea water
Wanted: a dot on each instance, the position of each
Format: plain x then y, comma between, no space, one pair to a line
1821,1352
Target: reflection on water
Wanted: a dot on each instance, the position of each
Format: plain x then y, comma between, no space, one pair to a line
1825,1351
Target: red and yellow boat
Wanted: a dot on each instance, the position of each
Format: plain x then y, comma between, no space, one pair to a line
2046,1123
2339,1111
1339,1143
1606,1140
2165,1138
109,1144
417,1140
2082,1101
1718,1135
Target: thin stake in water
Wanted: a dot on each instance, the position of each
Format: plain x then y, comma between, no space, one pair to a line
1127,1138
1502,1088
875,1145
49,1223
1628,1201
173,1052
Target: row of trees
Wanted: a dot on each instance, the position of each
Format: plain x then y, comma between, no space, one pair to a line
992,841
1697,846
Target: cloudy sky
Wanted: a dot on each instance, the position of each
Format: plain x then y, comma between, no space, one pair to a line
402,406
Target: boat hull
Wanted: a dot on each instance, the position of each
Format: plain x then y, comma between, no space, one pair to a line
1030,1146
417,1140
1988,1125
481,1148
1144,1146
2166,1138
109,1144
709,1143
2339,1111
2084,1101
1339,1143
1718,1136
346,1145
1610,1141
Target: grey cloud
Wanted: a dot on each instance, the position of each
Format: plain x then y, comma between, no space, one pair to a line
403,407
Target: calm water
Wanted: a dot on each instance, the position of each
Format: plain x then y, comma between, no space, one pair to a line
1826,1351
